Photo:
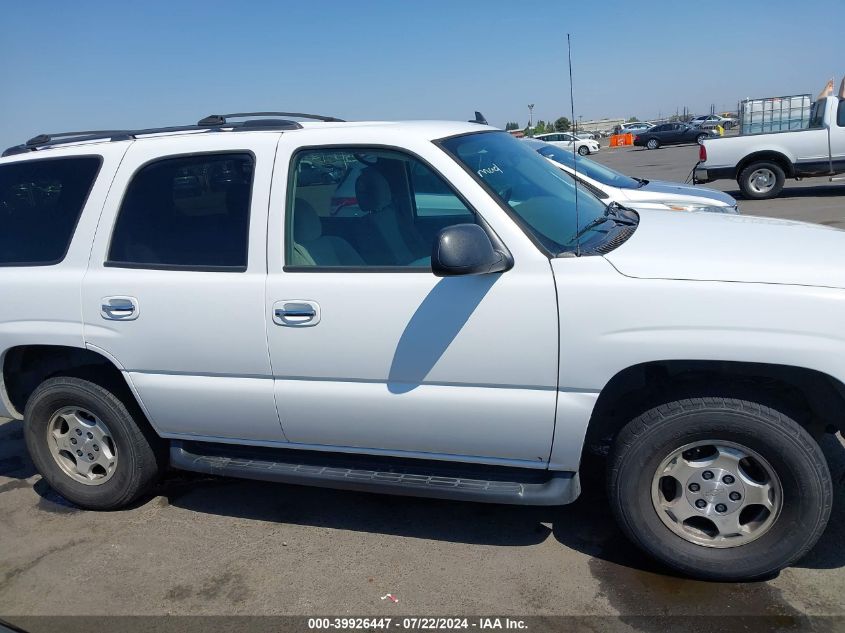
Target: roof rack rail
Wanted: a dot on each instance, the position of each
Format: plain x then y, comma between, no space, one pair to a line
208,124
221,119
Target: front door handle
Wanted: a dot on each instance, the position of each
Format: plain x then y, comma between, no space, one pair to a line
119,308
296,313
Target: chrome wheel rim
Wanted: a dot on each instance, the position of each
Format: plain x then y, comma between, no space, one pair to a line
717,494
583,151
762,180
82,445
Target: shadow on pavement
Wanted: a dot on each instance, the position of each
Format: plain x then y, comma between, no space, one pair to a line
14,460
804,191
585,526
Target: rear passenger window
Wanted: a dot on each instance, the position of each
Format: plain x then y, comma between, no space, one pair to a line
189,213
40,205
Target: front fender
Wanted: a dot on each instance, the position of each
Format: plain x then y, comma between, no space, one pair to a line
609,322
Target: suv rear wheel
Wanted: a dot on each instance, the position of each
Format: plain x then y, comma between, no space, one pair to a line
87,445
720,488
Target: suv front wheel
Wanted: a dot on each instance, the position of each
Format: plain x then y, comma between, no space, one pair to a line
720,488
88,446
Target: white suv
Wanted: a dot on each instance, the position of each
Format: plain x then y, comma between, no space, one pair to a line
187,297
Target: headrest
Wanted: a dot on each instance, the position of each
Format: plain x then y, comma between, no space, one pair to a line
306,223
372,190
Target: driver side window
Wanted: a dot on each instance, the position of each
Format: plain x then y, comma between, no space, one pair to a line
366,208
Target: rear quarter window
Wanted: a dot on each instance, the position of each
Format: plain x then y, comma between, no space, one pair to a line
40,204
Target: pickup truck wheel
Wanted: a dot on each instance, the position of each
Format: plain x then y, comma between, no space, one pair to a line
87,445
653,143
761,180
720,488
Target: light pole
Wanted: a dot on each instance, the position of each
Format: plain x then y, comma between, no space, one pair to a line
530,115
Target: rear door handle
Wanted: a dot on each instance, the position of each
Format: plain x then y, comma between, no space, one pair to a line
296,313
119,308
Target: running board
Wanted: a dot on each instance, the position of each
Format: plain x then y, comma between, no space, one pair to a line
836,178
410,477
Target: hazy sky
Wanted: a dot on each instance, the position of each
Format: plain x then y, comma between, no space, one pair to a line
82,65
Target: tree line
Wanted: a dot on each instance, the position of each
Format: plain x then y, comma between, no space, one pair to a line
561,124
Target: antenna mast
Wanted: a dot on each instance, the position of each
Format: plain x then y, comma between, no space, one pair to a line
574,153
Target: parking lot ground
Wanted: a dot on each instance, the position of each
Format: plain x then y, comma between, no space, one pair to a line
202,545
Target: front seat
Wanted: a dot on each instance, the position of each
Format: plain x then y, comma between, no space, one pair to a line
375,198
311,247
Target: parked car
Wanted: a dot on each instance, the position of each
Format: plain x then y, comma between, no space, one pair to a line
585,136
636,193
564,139
475,355
760,163
635,128
672,134
713,120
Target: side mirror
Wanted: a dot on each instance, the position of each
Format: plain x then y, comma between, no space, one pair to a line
466,249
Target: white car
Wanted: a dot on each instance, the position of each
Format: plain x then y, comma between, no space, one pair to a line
184,297
636,193
567,140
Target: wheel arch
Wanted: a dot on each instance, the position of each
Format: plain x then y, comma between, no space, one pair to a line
810,396
774,156
24,367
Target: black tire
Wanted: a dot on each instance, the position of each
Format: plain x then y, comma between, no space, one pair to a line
701,138
583,150
139,456
652,143
793,454
745,180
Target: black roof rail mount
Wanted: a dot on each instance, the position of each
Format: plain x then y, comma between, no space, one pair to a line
222,119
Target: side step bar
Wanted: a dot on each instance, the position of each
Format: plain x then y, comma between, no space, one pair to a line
411,477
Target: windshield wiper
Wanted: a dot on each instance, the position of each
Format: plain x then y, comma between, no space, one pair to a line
614,212
620,214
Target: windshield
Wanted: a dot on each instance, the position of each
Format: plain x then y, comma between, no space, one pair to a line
540,195
585,166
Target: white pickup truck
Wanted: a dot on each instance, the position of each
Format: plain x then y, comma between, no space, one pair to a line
760,163
191,297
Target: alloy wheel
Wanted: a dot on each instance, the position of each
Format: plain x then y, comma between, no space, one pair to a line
717,494
82,445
